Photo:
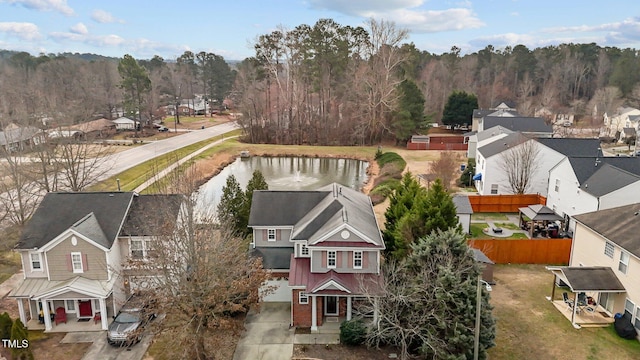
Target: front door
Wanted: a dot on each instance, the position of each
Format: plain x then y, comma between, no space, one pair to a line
331,305
84,307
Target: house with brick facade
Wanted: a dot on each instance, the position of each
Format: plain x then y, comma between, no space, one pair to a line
322,247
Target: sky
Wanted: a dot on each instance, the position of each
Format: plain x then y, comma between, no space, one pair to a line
144,28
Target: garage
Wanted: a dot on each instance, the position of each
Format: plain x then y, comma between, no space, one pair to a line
281,291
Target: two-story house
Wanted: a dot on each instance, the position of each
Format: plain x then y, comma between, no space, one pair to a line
73,249
605,260
492,158
579,185
625,117
326,243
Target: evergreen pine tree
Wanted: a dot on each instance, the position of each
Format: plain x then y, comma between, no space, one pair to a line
406,196
18,334
257,182
229,211
5,326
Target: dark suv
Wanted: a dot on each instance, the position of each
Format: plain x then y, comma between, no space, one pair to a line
127,328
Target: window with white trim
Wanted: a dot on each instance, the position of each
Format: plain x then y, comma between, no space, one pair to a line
36,262
637,322
624,263
71,305
331,259
609,249
494,189
304,250
357,259
303,298
629,308
271,235
557,188
76,262
140,249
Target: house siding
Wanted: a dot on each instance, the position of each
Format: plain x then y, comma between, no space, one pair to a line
588,250
282,237
344,261
627,195
26,266
58,263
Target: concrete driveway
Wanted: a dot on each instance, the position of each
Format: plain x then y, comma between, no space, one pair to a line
267,335
101,350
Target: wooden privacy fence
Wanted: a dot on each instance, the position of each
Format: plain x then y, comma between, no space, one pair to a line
504,203
519,251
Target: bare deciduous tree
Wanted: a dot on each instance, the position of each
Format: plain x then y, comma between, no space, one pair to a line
519,164
201,274
445,168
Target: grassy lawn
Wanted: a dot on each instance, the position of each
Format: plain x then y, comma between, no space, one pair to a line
489,216
478,233
529,327
9,264
507,225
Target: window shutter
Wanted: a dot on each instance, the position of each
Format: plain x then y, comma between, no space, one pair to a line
350,259
324,259
365,259
85,264
278,231
69,265
339,259
264,234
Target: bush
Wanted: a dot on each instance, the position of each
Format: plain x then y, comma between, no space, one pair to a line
5,326
390,157
19,334
352,332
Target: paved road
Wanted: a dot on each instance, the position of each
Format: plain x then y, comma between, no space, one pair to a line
124,160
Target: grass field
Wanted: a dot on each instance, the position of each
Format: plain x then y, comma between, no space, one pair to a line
489,216
530,327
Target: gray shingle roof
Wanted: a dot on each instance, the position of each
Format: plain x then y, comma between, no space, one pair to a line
89,227
502,144
620,225
479,113
148,213
592,279
573,146
496,130
519,123
274,257
613,173
60,211
271,207
463,206
315,213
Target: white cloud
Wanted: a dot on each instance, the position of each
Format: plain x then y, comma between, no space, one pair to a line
44,5
79,28
22,30
104,17
410,14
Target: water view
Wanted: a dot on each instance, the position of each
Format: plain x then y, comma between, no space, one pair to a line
287,173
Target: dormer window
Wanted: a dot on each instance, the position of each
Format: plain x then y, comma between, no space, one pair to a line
36,262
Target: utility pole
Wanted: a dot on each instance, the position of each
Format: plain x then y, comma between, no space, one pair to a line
476,340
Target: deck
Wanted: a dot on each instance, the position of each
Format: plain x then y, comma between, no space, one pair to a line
598,318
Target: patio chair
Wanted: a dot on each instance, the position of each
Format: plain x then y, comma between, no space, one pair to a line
582,299
61,315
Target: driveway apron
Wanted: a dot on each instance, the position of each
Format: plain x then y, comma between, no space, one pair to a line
267,334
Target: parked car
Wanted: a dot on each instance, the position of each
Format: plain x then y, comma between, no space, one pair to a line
163,129
127,328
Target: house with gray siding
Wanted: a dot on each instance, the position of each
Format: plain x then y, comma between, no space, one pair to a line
321,246
74,250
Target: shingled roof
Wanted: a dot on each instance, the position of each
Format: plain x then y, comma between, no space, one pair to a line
502,144
518,123
149,212
59,212
573,146
619,225
602,175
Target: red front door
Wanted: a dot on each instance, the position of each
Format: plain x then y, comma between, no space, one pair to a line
85,308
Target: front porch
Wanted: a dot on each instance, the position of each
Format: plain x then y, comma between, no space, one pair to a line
73,324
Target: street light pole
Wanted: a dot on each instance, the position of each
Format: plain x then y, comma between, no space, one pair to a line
177,118
476,340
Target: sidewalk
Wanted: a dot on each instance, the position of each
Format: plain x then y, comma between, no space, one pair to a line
11,283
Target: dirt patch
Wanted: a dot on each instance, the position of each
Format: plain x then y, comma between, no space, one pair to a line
340,352
50,348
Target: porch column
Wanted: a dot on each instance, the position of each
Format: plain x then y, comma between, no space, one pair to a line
47,316
103,313
375,312
314,314
348,308
23,314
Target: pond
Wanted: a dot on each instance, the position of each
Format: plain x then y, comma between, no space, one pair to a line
286,173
